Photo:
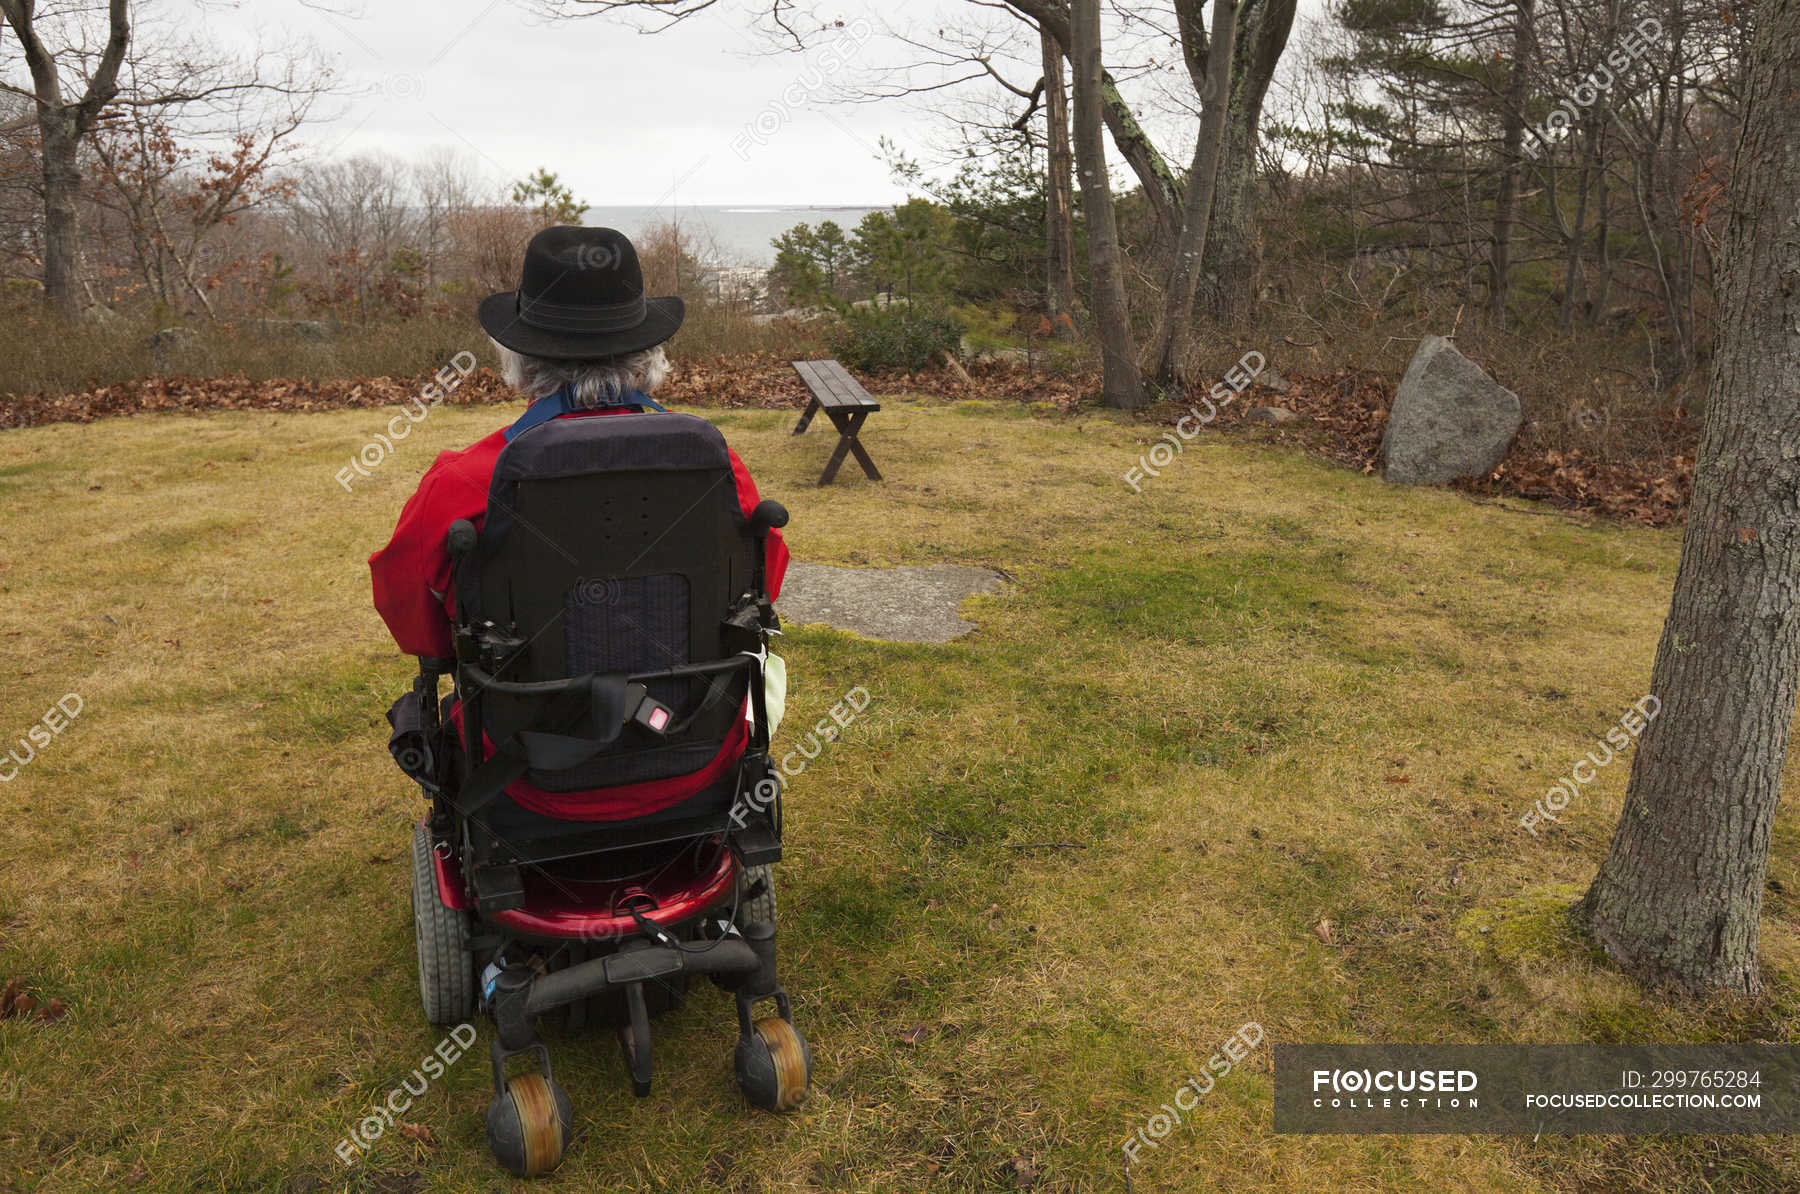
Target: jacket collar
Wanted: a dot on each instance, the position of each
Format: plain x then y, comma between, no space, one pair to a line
554,406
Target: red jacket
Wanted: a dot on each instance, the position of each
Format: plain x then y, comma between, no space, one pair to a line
411,574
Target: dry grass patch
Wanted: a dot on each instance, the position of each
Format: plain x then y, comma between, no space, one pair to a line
1052,868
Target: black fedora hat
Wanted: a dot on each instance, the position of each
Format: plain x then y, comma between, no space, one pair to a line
580,297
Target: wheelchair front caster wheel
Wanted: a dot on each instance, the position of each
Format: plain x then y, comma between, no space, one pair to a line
774,1065
528,1125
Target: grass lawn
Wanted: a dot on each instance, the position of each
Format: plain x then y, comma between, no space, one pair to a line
1262,694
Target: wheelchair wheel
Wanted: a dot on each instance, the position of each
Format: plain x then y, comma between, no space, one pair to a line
774,1065
529,1124
441,935
759,908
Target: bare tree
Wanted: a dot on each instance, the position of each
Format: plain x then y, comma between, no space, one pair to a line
357,215
447,183
1512,142
75,86
1228,265
68,106
1059,197
1209,65
1123,384
189,148
1162,190
1679,896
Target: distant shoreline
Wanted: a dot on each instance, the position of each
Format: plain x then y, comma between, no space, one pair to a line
739,232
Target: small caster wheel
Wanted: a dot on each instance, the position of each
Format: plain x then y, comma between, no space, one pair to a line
774,1065
528,1125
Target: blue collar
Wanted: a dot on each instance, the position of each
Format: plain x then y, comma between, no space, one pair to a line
554,406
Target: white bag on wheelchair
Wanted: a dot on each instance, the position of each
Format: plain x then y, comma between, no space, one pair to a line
774,670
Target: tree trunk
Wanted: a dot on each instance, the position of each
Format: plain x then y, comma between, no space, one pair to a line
1059,188
1512,136
1574,284
1229,265
62,238
1678,898
1203,178
1161,190
1124,386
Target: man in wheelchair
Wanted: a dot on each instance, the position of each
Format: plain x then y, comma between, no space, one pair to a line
596,581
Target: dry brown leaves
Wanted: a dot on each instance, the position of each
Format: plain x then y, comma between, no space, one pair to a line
1346,414
16,1003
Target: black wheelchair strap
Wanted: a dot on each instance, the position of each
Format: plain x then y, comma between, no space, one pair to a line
715,692
599,712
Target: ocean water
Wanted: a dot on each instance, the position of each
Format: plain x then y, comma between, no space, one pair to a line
739,234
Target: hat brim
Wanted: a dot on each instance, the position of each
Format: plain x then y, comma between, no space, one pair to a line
499,315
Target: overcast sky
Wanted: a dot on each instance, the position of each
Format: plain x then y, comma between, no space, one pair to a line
695,114
705,112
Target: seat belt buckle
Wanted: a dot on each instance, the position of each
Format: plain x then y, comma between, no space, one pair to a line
651,713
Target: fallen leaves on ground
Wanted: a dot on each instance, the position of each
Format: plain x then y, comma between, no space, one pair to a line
16,1003
1344,415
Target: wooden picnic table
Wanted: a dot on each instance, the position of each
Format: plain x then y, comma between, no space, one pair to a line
846,404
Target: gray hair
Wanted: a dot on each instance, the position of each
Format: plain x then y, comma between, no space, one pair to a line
602,382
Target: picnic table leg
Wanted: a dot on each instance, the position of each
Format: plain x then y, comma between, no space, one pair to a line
838,453
847,427
861,453
812,408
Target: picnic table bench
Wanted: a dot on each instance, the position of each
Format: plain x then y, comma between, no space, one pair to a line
846,404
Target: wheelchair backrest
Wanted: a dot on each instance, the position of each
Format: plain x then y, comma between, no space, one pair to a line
616,543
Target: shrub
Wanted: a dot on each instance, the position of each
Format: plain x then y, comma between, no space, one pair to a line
893,337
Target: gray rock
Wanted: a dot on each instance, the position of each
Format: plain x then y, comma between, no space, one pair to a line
906,605
1274,416
1270,379
1449,420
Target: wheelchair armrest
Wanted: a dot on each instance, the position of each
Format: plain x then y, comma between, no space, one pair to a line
769,514
461,539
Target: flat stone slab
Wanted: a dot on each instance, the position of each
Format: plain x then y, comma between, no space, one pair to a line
916,604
